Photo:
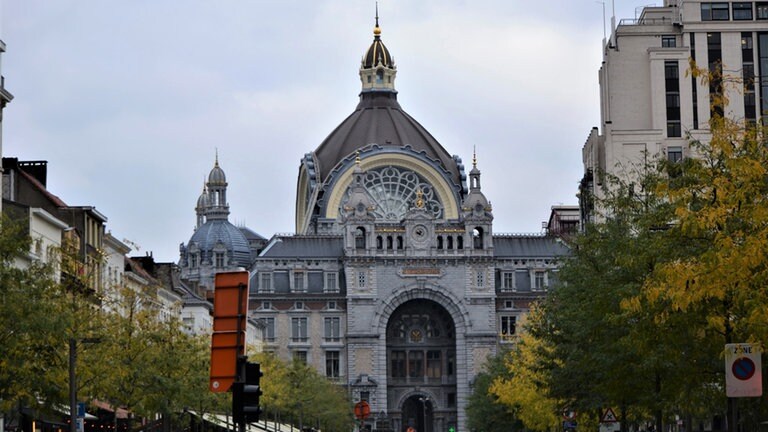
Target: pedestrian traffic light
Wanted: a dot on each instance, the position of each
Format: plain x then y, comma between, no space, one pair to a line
245,395
451,428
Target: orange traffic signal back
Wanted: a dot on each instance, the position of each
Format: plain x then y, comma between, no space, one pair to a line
230,310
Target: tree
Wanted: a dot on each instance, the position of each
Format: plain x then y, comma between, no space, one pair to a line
720,202
523,388
484,411
296,392
596,341
26,321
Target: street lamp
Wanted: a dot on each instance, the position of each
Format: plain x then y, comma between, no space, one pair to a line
424,400
73,379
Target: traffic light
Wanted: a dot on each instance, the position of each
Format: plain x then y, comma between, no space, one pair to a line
245,395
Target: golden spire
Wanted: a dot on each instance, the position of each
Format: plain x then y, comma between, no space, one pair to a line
377,29
357,158
419,198
474,156
217,158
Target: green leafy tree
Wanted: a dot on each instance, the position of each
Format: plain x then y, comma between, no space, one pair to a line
26,321
523,389
295,393
484,411
719,201
596,341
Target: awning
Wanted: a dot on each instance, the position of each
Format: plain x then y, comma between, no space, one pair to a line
43,417
61,408
121,413
261,426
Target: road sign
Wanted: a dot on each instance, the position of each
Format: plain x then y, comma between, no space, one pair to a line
362,410
608,416
743,376
230,309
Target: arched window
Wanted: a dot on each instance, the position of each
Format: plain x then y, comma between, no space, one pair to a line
360,238
477,238
460,242
389,242
450,242
379,76
379,243
440,242
399,242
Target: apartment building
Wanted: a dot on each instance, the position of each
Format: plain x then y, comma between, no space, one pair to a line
650,104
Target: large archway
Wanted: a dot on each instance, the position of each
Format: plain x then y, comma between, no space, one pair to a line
421,367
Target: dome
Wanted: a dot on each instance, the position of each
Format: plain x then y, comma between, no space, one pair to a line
217,175
377,52
379,119
221,231
202,202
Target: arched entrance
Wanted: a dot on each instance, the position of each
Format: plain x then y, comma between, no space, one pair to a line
418,414
421,366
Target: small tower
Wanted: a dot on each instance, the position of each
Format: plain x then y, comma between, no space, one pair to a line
217,193
378,70
356,214
477,212
201,207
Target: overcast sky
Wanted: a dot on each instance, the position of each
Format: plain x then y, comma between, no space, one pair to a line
128,101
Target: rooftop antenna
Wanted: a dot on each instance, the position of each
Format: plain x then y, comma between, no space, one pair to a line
604,35
613,23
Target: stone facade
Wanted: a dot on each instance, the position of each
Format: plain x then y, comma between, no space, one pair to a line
394,284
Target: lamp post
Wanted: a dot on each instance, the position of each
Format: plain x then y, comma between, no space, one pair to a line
424,400
72,385
73,380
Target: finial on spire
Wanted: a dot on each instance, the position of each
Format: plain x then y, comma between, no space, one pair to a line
377,29
474,156
216,163
419,198
357,158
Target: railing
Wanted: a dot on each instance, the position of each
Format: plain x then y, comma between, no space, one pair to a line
645,21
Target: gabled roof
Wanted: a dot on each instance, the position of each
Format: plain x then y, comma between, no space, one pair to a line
40,187
528,246
304,246
168,273
250,234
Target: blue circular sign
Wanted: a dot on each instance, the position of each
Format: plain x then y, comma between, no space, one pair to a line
743,368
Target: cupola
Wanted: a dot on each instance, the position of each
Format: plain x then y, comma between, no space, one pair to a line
378,70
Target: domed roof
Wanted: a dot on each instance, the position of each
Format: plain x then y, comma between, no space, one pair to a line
379,119
221,230
377,52
217,175
202,201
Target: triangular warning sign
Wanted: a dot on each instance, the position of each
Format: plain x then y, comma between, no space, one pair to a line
609,416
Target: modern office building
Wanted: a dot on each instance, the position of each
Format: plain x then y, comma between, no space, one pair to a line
650,103
395,284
